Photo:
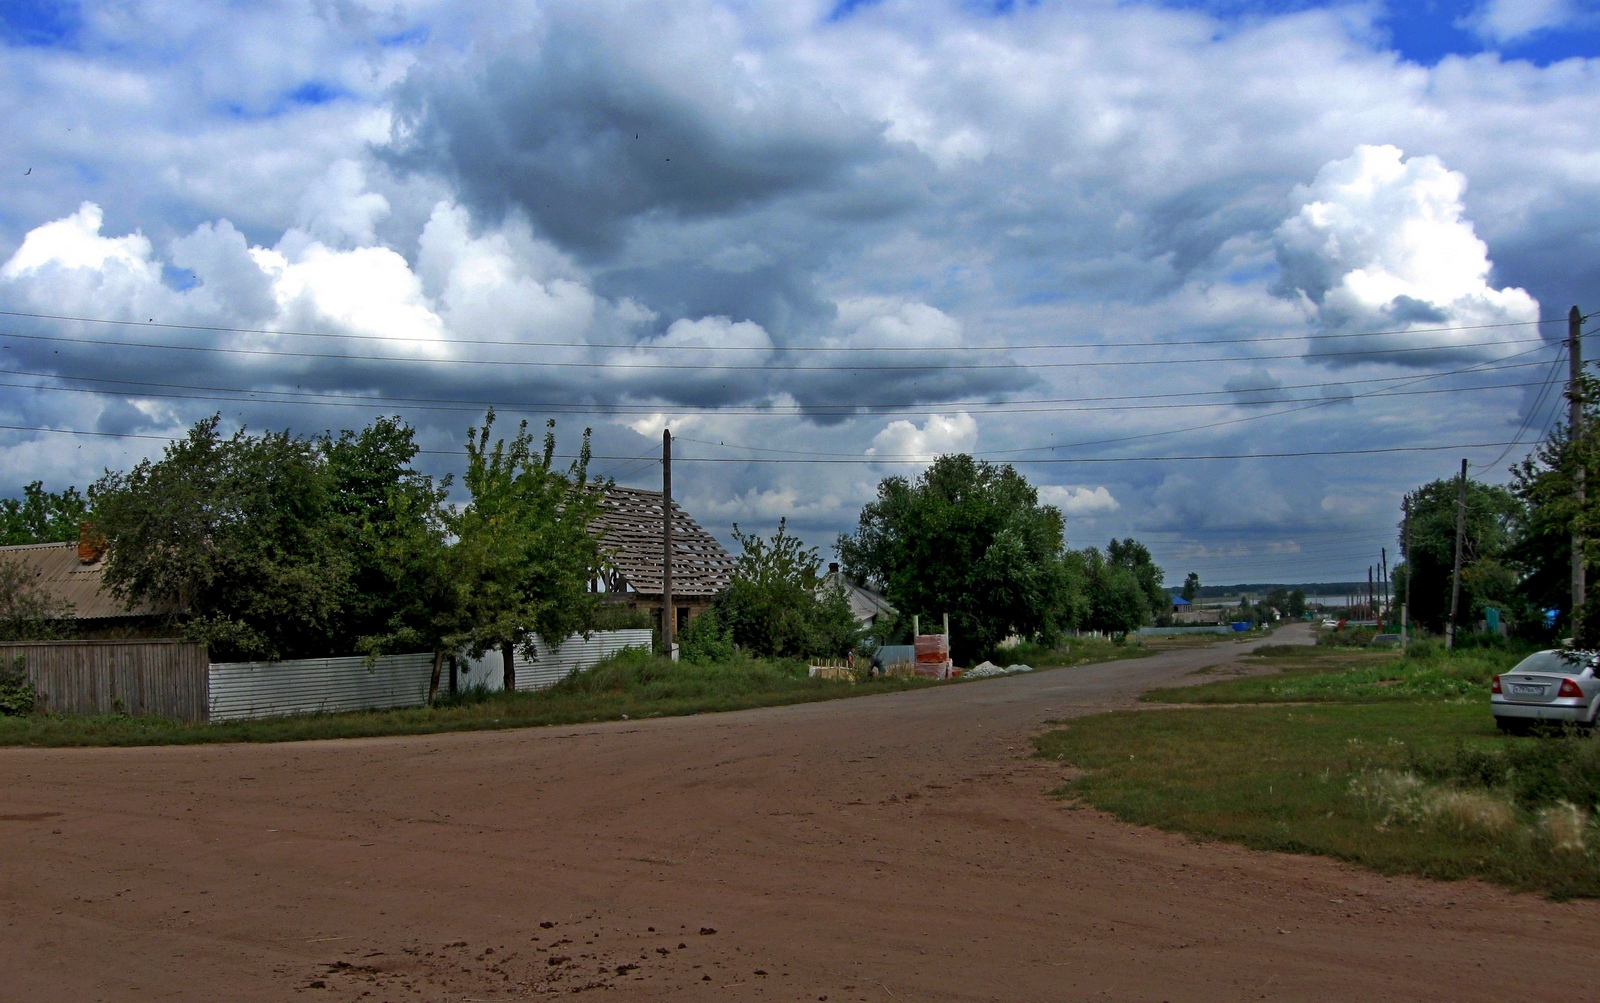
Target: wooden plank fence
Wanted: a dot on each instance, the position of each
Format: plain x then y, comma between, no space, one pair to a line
166,678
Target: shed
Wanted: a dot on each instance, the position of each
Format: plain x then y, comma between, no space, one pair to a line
629,531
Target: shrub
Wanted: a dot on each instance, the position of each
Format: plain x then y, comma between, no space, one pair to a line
707,640
17,695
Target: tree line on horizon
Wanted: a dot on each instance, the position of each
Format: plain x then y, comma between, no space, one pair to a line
271,545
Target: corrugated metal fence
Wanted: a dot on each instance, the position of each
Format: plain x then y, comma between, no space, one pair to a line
248,690
160,677
554,663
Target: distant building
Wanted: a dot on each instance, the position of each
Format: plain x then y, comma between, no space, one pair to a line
866,604
72,574
1179,603
629,530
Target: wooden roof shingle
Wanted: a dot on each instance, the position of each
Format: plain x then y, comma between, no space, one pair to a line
629,528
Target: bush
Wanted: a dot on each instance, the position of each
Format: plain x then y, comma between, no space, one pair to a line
17,695
707,639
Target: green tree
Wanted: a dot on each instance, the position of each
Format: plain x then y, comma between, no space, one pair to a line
41,516
1117,602
235,535
970,539
524,554
1135,557
1191,586
1494,521
775,605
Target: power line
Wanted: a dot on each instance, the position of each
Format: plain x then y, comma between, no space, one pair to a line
879,461
1022,405
763,367
220,329
334,400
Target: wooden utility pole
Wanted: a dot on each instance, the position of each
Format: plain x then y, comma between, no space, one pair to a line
1383,583
1405,604
669,622
1372,597
1574,435
1455,576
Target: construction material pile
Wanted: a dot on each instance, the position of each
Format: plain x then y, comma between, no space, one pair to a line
984,670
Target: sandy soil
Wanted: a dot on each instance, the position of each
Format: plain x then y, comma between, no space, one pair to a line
889,848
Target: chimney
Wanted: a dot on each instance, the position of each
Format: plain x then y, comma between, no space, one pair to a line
91,544
833,567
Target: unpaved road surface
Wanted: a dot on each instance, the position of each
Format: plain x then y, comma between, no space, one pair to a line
889,848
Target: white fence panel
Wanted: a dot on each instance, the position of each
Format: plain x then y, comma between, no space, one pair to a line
553,664
248,690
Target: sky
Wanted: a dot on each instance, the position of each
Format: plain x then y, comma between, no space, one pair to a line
1228,277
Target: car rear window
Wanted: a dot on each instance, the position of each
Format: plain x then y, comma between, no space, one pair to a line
1555,661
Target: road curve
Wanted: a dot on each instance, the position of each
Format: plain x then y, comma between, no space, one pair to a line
900,847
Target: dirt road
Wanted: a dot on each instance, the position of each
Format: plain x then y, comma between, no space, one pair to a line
889,848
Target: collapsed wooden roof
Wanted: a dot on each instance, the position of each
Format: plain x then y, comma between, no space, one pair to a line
629,528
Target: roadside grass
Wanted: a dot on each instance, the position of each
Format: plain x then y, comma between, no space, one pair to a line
633,684
1298,674
1388,761
1075,651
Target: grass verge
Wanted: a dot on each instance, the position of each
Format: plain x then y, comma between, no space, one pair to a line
633,685
1299,674
1417,781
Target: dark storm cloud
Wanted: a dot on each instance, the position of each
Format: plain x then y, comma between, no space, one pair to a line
585,142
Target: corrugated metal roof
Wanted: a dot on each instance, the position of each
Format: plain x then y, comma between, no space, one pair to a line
59,572
864,603
629,527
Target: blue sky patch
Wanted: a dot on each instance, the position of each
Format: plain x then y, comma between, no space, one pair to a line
1426,31
39,22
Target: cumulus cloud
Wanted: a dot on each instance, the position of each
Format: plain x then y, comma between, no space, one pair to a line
1381,243
939,434
1079,500
1511,20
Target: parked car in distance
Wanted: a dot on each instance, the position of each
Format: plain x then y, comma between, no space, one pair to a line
1555,686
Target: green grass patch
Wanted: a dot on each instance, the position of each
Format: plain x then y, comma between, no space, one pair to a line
1386,785
1074,651
633,684
1293,674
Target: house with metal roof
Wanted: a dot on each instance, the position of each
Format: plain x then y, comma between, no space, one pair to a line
866,604
72,575
629,529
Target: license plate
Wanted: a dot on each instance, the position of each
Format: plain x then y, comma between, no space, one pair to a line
1527,691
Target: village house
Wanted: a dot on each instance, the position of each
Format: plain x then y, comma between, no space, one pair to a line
71,574
629,530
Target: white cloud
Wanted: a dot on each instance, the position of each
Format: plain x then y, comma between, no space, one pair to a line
1511,20
76,243
939,434
1380,243
1079,500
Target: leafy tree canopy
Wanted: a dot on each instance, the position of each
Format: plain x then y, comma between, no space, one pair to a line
41,516
525,555
970,539
776,606
1494,520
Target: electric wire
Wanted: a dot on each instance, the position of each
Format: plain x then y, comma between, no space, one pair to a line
220,329
762,367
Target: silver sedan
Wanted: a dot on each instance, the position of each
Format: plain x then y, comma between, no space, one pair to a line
1556,686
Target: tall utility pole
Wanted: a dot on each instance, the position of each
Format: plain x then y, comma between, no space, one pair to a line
668,620
1383,582
1574,431
1405,604
1455,576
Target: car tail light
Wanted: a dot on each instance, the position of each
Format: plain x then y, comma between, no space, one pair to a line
1494,685
1569,689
